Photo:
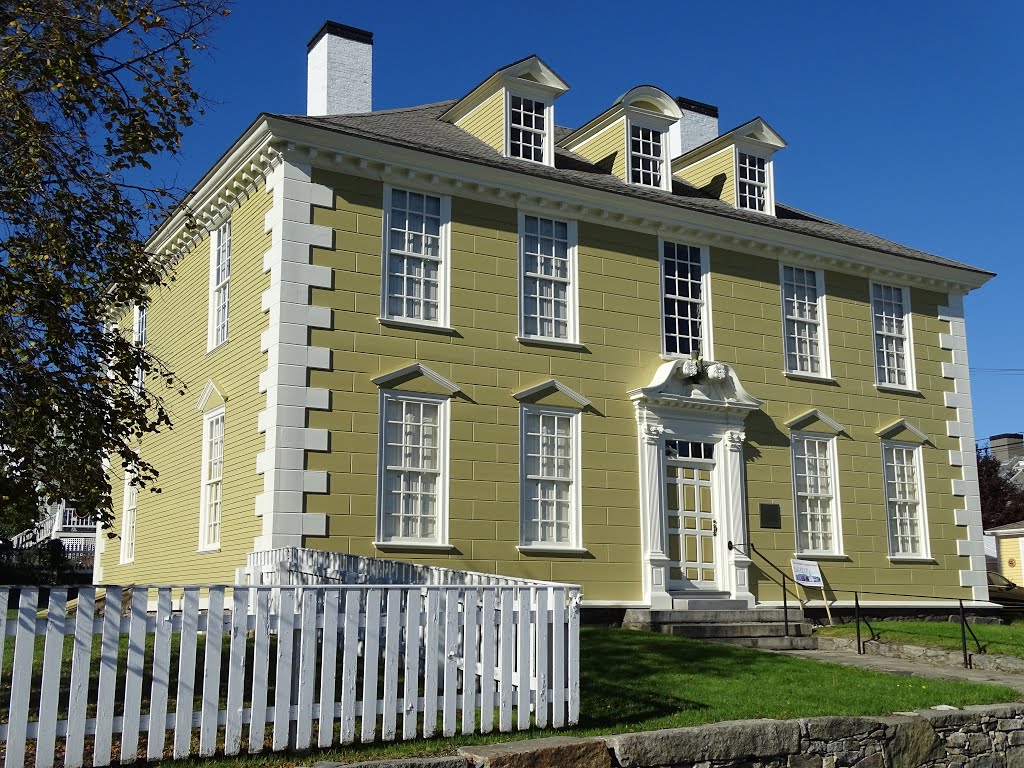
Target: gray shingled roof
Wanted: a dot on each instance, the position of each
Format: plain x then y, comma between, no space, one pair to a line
418,128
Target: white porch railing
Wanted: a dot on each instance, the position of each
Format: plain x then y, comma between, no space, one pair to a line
254,668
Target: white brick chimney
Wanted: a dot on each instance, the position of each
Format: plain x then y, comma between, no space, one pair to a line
339,78
697,126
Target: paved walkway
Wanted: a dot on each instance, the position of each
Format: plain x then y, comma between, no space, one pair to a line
919,668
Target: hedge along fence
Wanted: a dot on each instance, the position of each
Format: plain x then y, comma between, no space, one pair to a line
267,662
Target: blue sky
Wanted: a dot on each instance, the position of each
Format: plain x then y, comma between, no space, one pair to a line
900,117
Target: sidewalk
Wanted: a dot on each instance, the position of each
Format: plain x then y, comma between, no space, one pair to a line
905,667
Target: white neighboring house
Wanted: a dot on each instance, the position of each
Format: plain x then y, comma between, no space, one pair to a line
63,522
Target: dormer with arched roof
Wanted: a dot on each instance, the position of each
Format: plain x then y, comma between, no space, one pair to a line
630,139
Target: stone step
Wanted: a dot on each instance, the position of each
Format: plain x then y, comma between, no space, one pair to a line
770,643
738,630
716,617
707,604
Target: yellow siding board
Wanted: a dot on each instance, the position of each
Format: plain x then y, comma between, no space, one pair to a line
715,174
1009,550
167,525
607,149
487,121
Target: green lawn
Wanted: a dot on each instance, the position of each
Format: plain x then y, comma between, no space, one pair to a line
634,681
995,638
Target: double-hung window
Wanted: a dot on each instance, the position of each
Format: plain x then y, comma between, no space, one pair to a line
550,477
210,512
220,288
128,517
413,469
646,155
803,315
684,310
416,257
904,499
547,279
890,308
816,494
527,129
139,337
753,183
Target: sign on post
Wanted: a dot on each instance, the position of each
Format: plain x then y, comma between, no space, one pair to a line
807,574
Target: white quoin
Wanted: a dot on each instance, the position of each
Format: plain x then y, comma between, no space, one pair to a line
339,77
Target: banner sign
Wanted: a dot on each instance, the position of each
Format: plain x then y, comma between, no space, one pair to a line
807,574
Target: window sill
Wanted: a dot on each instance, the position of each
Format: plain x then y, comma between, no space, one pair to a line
126,562
809,377
207,550
412,546
542,549
837,557
531,341
211,350
898,390
391,322
911,560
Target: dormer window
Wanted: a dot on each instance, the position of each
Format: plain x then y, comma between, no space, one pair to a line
527,130
753,182
646,149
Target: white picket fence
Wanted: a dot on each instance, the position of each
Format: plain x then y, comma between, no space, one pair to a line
219,669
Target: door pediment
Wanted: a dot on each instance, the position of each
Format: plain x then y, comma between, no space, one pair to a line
696,384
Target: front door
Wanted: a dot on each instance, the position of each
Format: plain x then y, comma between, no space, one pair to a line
691,524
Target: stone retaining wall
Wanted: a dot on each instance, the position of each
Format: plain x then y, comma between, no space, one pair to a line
974,737
938,656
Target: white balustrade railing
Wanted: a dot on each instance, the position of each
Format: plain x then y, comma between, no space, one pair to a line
156,672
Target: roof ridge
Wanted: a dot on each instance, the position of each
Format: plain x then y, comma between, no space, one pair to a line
395,110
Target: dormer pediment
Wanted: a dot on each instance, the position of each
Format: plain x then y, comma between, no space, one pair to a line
511,108
212,396
702,385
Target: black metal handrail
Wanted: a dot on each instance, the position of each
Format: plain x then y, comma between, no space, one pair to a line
965,627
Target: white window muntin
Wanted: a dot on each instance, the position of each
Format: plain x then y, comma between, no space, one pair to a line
685,300
212,491
550,477
906,513
529,129
548,290
804,327
220,286
139,329
816,506
412,468
129,517
647,152
755,183
893,336
416,260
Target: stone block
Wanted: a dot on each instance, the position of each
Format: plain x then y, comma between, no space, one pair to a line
805,761
1014,757
871,761
553,752
978,743
1015,738
400,762
724,741
913,744
1009,724
985,761
837,728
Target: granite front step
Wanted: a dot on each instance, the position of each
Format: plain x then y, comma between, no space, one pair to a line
769,643
737,630
638,617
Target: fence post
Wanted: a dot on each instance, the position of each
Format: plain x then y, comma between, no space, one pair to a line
963,635
785,604
856,618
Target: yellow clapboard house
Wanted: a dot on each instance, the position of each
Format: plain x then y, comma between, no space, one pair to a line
460,334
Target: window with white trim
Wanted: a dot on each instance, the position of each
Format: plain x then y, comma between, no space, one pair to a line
683,303
646,155
129,511
548,265
220,288
815,494
803,319
904,499
890,305
210,514
527,129
139,337
416,256
549,476
413,468
753,182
